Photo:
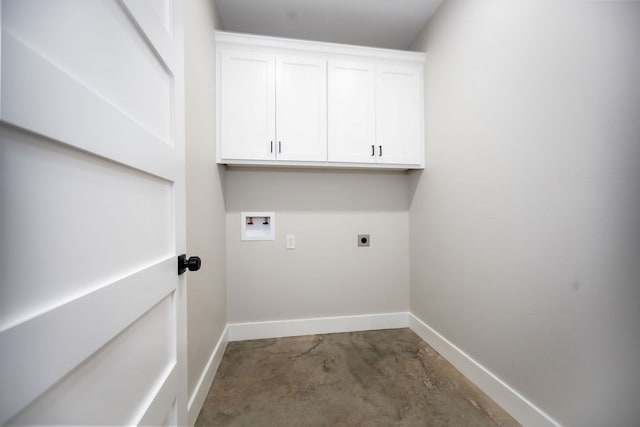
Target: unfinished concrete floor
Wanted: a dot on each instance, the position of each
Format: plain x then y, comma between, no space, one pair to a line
372,378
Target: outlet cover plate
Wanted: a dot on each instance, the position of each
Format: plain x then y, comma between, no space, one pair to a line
364,241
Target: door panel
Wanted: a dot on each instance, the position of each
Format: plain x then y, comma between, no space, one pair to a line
301,108
247,105
36,353
117,64
112,378
399,114
351,111
91,189
41,183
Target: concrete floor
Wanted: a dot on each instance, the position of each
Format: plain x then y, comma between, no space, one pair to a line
373,378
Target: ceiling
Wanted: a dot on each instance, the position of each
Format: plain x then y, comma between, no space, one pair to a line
392,24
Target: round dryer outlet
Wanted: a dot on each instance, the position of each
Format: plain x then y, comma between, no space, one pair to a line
364,240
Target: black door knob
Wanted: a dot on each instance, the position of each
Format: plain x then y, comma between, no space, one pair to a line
193,263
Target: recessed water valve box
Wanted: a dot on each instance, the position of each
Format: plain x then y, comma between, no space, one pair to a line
364,240
257,226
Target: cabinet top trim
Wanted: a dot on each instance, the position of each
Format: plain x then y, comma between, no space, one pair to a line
238,39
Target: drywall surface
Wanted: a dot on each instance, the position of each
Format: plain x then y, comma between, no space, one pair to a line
524,225
327,274
206,289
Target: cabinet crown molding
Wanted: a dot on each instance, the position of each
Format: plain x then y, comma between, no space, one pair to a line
252,41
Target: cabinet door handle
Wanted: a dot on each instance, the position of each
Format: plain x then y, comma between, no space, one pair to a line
380,147
279,146
272,146
373,150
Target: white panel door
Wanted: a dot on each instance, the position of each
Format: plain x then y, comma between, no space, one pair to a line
399,114
92,218
351,112
301,108
246,92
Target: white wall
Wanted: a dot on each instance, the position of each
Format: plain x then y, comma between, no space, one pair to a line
206,289
525,238
327,274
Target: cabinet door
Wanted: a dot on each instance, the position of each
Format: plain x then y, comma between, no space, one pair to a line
301,108
399,118
247,105
351,111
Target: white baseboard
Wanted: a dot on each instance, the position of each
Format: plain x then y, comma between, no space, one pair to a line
197,398
323,325
525,412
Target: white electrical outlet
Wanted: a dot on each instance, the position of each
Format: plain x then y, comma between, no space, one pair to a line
291,241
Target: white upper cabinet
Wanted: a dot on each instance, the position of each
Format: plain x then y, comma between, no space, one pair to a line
298,103
375,113
247,96
301,108
399,109
272,107
352,115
